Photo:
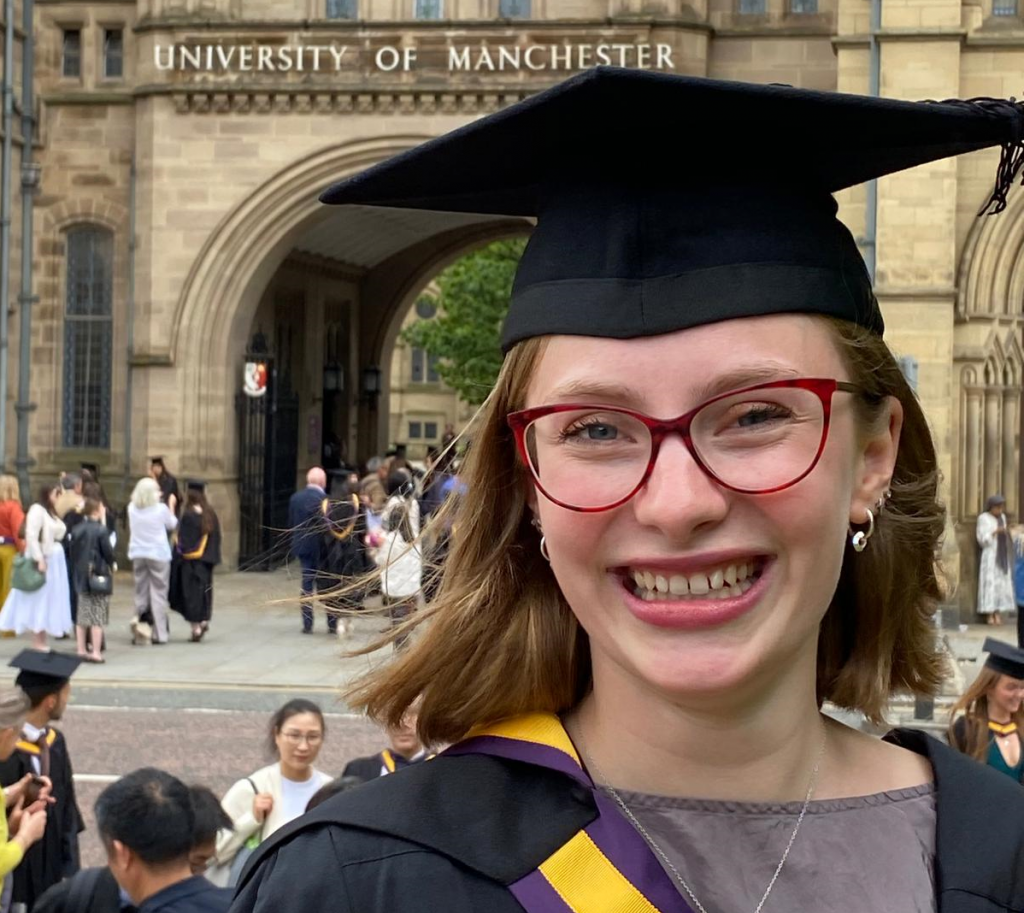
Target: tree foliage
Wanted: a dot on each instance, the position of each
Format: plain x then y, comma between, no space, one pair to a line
471,303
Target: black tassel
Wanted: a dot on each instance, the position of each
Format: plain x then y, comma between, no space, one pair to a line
1011,158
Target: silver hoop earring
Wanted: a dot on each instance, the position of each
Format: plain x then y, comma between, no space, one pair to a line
859,539
544,550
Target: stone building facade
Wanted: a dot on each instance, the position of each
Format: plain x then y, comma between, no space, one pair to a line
182,144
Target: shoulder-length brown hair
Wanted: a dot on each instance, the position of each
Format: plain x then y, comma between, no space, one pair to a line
500,638
972,736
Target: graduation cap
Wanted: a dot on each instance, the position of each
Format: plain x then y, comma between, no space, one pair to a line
195,484
44,670
1004,658
638,234
91,467
156,461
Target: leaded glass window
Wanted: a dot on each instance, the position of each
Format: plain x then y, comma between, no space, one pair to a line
514,9
342,9
88,337
428,9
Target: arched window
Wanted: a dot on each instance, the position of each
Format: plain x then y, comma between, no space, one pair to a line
88,337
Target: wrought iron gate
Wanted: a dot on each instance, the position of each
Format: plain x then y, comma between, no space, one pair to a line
268,428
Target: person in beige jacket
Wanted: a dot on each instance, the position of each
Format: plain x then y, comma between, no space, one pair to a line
268,799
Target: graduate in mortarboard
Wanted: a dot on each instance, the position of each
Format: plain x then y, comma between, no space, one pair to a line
195,555
702,500
45,678
986,723
167,482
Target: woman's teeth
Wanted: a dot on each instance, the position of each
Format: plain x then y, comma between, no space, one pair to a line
718,583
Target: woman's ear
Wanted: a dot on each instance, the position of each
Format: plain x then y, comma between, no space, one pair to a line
877,461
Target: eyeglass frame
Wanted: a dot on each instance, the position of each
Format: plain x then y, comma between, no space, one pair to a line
825,388
297,738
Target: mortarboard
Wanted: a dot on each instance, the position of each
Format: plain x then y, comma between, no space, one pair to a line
156,461
1004,658
91,467
195,484
638,234
40,668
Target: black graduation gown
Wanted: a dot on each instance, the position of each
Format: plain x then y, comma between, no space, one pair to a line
343,553
56,855
191,589
452,834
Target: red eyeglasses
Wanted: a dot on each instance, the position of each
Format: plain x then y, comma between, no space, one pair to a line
757,440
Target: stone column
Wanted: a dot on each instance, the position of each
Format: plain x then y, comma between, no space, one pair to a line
972,453
1011,424
993,441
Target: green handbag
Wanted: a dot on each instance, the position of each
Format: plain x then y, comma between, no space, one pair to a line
26,575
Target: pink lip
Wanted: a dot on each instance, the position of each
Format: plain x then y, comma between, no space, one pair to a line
691,563
693,614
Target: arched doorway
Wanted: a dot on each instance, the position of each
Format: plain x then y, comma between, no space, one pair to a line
327,288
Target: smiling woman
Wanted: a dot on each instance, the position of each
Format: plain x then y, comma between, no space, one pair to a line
702,500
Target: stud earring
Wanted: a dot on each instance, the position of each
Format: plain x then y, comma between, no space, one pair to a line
883,499
859,539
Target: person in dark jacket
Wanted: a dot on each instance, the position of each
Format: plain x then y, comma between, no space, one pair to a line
306,511
96,891
404,750
195,556
92,559
147,822
343,557
702,501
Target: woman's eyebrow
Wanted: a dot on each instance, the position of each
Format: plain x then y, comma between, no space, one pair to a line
734,379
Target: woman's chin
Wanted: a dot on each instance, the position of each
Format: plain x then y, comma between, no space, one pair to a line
697,669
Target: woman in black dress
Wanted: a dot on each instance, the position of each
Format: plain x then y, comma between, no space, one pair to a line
196,554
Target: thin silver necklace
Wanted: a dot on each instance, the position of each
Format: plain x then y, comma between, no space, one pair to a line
668,864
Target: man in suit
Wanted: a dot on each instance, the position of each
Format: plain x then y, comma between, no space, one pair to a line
404,750
306,519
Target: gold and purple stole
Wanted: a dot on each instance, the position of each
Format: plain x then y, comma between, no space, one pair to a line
607,867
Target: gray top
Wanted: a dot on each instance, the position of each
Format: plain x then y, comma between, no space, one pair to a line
872,853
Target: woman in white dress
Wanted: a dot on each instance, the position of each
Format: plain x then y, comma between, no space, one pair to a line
48,609
995,569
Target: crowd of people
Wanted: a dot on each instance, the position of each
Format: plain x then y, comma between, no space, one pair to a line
57,559
169,846
342,530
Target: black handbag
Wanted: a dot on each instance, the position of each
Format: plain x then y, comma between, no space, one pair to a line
100,584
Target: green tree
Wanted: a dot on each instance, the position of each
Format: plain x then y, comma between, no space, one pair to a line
465,335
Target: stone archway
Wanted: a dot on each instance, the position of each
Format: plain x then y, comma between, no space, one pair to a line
987,376
238,260
218,301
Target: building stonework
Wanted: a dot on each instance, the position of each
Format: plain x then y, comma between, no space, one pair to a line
218,167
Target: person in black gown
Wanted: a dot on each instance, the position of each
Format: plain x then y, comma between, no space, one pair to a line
195,557
42,750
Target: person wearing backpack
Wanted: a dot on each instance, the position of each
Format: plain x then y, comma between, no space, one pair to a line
274,795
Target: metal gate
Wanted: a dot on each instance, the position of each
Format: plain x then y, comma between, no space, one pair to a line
268,428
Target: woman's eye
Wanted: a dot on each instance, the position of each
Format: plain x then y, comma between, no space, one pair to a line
591,431
762,413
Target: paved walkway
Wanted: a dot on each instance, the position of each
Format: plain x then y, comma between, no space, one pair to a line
255,645
254,642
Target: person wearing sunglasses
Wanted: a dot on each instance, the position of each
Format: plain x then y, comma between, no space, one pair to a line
702,500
